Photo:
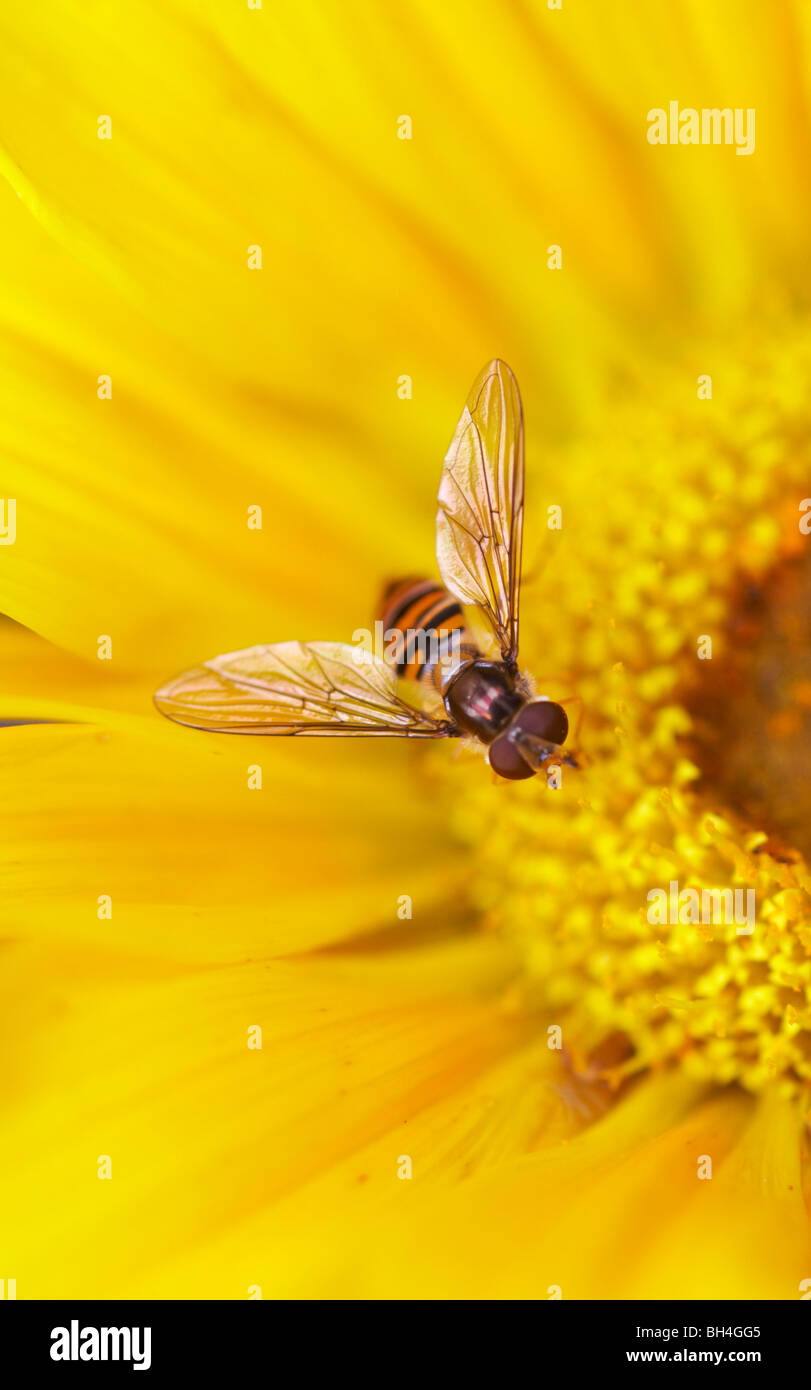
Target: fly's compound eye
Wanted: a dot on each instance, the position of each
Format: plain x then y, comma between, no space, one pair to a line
530,740
505,759
543,719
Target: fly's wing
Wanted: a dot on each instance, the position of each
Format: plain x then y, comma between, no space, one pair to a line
481,504
296,688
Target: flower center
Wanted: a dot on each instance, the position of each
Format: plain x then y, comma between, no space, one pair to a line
660,900
752,709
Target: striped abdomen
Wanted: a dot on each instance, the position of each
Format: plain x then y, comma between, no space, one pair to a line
423,626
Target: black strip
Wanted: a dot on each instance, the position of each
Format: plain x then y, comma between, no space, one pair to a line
451,610
428,586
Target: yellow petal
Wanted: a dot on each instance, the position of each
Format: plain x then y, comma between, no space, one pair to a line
205,1134
278,387
619,1212
200,864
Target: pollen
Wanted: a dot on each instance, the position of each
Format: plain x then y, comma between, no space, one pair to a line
659,902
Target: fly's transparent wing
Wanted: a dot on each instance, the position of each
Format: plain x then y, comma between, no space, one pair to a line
294,688
481,504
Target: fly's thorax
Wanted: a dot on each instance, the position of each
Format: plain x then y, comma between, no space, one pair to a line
483,698
445,673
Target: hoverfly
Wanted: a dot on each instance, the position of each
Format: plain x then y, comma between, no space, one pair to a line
310,688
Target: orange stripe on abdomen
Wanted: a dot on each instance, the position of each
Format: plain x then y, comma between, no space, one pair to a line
423,615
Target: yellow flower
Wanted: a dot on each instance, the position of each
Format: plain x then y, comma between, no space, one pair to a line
405,1127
